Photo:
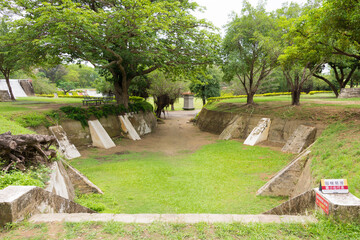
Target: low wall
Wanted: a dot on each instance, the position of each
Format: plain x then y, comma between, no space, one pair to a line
280,129
18,202
80,136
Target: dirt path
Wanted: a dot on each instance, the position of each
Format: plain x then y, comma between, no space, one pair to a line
176,135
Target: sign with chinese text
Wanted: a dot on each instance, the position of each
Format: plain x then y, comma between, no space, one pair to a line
334,186
322,203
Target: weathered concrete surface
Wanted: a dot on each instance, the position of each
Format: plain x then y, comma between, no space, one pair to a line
349,92
80,181
280,129
69,150
99,136
284,182
234,129
143,122
171,218
60,182
302,204
27,87
130,130
301,138
111,124
305,182
345,207
77,134
18,202
259,133
4,96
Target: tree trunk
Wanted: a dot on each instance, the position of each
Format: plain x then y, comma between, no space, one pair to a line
250,99
204,101
121,94
295,97
7,78
172,107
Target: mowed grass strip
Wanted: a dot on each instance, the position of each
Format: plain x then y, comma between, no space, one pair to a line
219,178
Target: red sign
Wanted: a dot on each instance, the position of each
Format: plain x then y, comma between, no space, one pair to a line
322,203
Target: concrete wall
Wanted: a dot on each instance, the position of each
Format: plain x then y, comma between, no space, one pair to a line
80,136
18,202
280,129
4,96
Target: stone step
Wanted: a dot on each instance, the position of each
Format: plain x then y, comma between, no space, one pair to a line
170,218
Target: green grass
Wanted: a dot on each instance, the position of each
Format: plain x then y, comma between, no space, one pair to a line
179,104
324,229
220,178
15,128
336,154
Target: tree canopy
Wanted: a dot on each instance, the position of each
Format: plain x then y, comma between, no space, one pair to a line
127,38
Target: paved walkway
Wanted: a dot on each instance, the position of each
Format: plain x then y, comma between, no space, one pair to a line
170,218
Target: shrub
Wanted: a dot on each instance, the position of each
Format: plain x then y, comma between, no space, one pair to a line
33,177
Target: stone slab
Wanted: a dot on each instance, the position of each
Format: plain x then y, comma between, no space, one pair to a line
345,207
143,122
259,133
349,92
132,134
99,136
234,129
80,181
69,150
18,202
171,218
284,182
301,138
59,182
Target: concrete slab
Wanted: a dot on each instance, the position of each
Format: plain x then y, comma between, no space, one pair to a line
259,133
300,139
69,150
132,134
234,129
170,218
284,182
99,136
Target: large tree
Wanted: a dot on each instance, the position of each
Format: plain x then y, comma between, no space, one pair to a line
17,50
127,38
251,48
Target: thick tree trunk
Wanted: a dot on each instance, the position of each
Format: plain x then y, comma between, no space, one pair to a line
250,99
295,97
7,79
121,94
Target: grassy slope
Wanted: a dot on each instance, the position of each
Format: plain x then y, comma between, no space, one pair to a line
220,178
15,128
336,154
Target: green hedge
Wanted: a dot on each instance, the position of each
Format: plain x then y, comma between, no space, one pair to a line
83,114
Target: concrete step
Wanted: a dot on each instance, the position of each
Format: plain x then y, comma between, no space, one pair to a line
170,218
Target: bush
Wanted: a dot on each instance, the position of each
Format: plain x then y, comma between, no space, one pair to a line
34,177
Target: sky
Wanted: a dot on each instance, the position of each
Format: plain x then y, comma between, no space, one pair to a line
217,11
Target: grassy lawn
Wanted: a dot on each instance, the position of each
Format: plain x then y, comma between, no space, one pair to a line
324,229
219,178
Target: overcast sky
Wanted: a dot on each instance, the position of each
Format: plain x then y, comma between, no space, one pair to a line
217,11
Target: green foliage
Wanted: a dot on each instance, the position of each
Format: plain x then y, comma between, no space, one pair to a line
251,48
84,114
33,119
34,177
139,87
13,127
207,85
66,86
42,85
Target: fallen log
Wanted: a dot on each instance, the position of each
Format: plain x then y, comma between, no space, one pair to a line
23,151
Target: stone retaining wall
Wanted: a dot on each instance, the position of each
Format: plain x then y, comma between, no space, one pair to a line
280,129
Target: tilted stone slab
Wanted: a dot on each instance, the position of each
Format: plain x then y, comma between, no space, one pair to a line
60,182
80,181
143,122
259,133
349,92
284,182
18,202
300,139
234,129
99,136
302,204
69,150
130,130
